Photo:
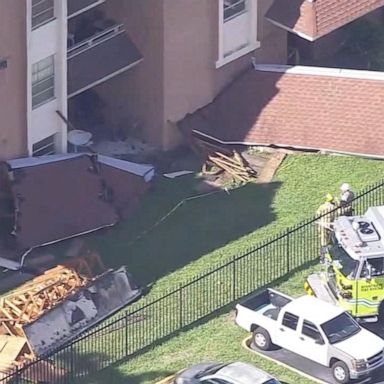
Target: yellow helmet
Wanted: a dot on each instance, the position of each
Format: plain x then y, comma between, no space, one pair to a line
328,198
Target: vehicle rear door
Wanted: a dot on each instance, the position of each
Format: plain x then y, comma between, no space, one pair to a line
286,334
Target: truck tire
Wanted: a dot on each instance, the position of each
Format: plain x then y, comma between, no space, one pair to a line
261,339
340,372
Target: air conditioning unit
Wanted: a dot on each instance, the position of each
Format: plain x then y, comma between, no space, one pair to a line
367,231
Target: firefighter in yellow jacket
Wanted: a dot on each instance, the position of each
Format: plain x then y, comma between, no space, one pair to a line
326,213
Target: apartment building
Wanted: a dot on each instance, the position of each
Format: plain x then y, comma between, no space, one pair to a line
13,82
120,67
33,80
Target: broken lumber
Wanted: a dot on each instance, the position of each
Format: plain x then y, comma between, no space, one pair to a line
224,159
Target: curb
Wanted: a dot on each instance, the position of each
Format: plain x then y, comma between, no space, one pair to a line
167,380
245,344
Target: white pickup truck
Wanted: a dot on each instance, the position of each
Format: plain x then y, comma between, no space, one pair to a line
312,328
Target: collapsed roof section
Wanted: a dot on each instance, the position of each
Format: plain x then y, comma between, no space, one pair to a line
301,107
61,196
312,19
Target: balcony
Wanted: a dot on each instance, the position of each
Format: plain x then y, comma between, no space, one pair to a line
99,57
76,7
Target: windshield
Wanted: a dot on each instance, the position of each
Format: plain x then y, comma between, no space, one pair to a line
340,328
272,381
348,266
206,369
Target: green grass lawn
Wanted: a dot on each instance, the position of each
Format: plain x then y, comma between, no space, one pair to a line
217,340
205,231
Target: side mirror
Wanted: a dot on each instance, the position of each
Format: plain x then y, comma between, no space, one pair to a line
319,341
368,275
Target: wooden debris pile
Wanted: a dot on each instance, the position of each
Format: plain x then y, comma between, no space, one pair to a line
219,159
32,299
26,304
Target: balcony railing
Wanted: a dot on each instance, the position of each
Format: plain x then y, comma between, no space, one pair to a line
97,38
100,57
76,7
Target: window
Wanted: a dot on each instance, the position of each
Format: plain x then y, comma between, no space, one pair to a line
237,29
340,328
233,8
215,381
373,267
43,80
309,329
348,265
290,321
44,147
43,11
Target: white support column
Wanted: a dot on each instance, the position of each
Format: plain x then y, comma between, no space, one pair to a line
29,74
61,74
221,30
49,39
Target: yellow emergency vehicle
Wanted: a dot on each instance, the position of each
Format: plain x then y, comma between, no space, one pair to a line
354,271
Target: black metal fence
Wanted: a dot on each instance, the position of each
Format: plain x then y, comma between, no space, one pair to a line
130,332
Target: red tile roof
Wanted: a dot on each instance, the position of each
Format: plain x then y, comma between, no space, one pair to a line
312,19
306,107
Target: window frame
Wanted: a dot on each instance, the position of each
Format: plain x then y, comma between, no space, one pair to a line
364,267
38,83
50,9
249,14
293,316
234,3
41,146
313,327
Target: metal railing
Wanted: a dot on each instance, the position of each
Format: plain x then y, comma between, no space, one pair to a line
144,324
94,40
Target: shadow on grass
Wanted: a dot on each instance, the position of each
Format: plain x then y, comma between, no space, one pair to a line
87,369
194,229
112,376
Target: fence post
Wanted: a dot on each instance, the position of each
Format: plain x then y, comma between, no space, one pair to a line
72,362
287,251
180,306
234,279
126,334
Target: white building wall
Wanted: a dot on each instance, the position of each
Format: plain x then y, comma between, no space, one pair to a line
42,42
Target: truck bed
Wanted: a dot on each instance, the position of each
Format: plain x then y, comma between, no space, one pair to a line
269,299
265,305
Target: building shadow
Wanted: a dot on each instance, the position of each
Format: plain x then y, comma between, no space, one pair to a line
97,368
156,242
